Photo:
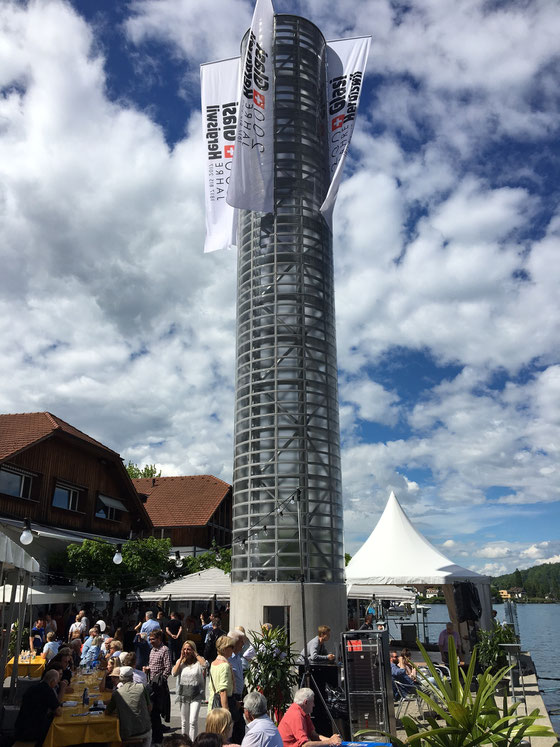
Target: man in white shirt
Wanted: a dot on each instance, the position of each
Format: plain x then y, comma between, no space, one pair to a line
260,732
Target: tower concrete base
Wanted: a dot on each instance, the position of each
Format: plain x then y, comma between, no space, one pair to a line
253,604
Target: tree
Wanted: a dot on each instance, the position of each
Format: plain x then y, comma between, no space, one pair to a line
148,470
518,578
347,558
143,563
216,557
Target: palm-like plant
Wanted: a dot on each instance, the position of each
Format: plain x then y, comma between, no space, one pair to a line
272,670
469,718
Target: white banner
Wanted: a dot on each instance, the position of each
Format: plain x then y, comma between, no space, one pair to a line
346,64
252,180
220,93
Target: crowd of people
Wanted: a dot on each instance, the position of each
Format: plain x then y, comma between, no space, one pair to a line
137,659
208,664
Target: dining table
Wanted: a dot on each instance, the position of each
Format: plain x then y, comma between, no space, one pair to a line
27,667
78,724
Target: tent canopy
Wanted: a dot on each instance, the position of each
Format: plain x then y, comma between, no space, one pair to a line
14,556
386,592
396,553
200,586
44,595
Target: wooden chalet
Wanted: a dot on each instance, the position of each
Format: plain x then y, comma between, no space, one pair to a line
193,511
59,477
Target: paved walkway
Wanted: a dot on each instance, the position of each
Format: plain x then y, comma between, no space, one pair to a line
175,722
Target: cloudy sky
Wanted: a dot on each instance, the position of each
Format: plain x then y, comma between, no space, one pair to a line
446,242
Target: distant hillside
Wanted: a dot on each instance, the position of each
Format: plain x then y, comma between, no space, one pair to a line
539,581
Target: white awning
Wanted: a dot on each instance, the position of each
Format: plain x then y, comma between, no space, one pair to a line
112,502
200,586
45,595
384,593
66,535
14,556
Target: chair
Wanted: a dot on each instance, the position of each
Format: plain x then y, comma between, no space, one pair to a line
443,669
407,695
8,716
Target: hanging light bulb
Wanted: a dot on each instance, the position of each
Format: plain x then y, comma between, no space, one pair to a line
178,559
292,500
279,511
117,557
26,537
265,529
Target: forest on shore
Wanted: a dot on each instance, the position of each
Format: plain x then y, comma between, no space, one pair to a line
541,582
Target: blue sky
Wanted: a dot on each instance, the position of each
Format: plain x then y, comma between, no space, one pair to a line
446,253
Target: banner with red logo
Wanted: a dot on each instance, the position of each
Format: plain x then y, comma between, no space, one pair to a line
252,180
346,64
220,96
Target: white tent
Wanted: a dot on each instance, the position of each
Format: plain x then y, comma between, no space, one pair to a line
200,586
396,553
14,556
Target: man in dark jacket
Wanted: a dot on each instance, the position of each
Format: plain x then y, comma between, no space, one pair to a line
38,706
210,651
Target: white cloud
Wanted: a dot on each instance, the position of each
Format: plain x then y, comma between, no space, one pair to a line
500,550
370,401
200,33
122,327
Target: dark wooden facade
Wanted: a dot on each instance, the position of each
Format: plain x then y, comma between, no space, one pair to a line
61,458
217,530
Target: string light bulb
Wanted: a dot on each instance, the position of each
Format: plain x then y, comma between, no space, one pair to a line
117,557
26,537
178,559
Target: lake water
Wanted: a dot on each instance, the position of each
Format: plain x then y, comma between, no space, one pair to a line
539,629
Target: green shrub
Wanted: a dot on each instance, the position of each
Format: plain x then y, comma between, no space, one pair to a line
468,718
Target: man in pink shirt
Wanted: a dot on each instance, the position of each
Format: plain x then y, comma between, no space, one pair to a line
296,727
443,642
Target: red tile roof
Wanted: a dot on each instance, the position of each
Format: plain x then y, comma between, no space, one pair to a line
182,501
21,430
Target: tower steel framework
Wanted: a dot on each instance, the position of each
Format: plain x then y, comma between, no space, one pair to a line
286,418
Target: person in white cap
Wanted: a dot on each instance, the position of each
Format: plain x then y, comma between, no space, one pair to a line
132,703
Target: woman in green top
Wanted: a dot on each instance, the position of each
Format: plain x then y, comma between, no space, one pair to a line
221,676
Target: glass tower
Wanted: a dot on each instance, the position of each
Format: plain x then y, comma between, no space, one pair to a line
286,418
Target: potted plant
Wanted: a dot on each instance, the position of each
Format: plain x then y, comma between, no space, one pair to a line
490,654
272,671
467,718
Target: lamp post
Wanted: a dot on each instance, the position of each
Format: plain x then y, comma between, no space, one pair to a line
307,671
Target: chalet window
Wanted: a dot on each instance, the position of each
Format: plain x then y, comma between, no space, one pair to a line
15,482
66,497
109,508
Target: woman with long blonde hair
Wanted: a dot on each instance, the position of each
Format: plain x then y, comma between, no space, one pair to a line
190,687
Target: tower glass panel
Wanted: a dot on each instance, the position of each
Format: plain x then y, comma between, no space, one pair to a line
286,418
